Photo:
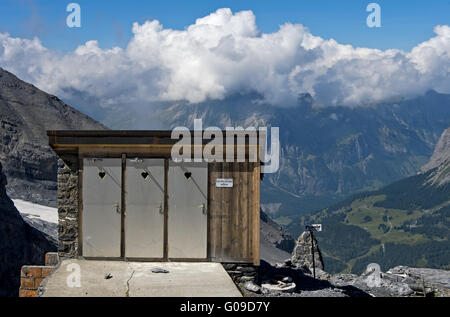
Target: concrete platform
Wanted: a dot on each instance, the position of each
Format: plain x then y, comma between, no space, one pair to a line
83,278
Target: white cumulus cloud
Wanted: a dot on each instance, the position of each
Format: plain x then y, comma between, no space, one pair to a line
224,53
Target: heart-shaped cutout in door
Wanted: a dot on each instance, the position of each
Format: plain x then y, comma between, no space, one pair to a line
102,174
188,175
144,175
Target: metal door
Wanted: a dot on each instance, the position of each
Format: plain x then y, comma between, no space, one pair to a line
144,201
102,179
187,215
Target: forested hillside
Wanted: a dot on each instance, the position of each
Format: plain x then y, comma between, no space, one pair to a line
405,223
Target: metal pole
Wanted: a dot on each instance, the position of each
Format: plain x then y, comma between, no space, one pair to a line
312,253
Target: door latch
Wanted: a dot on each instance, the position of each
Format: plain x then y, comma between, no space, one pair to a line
203,207
117,206
161,211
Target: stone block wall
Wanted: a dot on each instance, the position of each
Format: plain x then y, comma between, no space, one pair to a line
68,176
241,273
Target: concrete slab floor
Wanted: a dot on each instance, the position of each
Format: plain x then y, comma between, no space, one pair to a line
83,278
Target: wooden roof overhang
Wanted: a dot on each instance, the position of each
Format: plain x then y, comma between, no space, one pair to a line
109,143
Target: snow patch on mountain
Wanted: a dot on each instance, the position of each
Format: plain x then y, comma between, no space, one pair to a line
35,211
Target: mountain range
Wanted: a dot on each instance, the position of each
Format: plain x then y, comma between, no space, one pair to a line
404,223
25,114
327,153
28,171
331,153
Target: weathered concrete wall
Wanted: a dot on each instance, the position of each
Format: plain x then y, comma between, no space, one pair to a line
68,177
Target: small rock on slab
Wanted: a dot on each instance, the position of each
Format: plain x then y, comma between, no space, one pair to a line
159,270
252,287
246,278
246,269
229,266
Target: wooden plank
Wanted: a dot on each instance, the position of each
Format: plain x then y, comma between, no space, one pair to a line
244,211
226,212
256,230
143,152
217,212
116,150
235,214
250,209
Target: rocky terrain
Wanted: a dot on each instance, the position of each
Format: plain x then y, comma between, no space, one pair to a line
20,243
404,223
26,113
294,278
440,161
276,242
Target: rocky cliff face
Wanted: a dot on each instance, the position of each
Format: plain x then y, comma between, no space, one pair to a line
276,242
26,113
30,166
20,244
294,278
440,161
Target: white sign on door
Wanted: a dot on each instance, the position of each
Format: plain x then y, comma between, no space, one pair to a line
224,182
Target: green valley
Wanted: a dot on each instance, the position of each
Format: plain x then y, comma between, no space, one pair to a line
405,223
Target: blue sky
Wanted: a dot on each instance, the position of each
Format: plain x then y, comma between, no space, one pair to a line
230,50
404,23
